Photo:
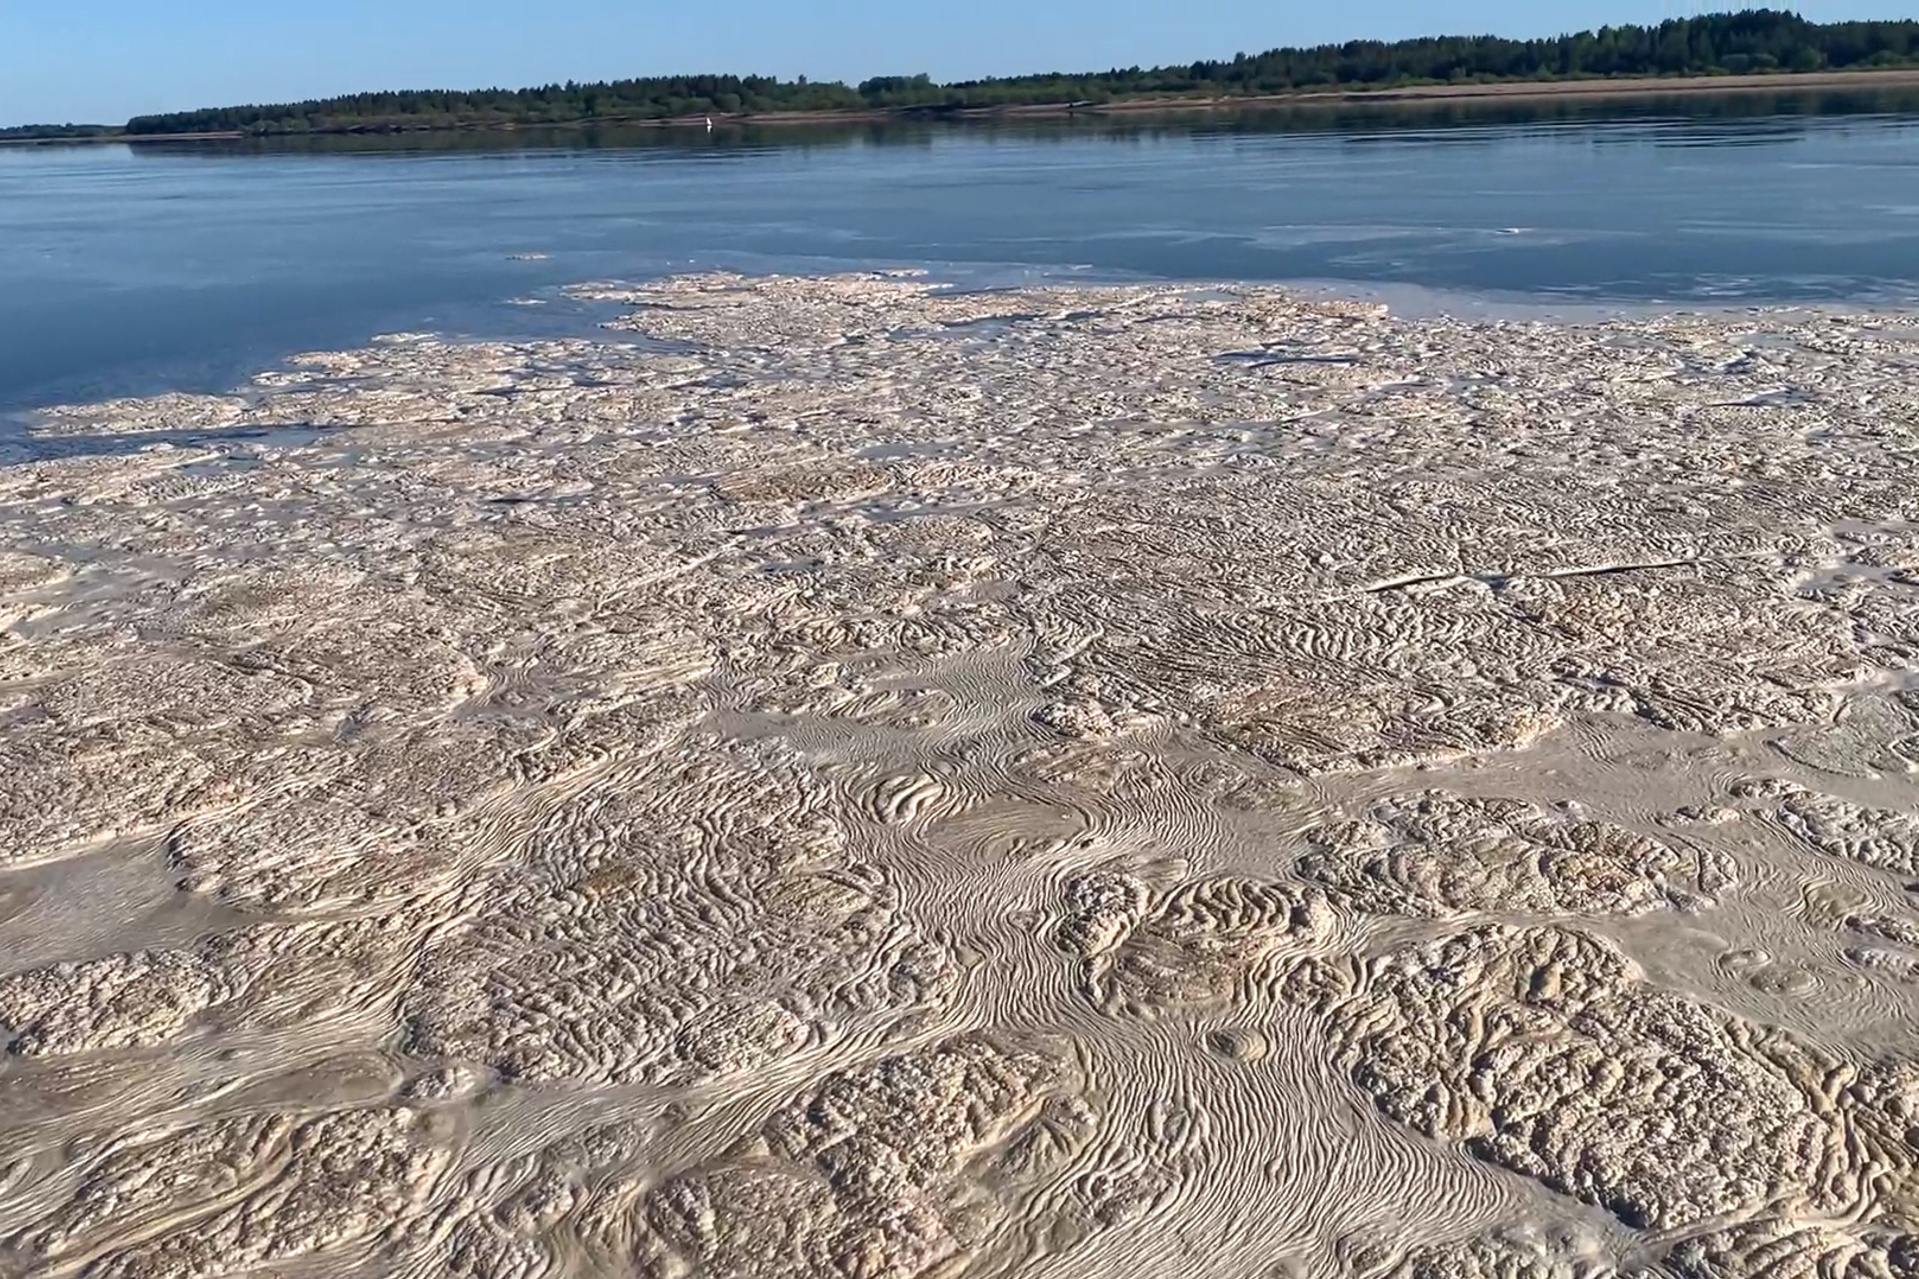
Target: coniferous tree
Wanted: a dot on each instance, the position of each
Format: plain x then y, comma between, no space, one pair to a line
1753,41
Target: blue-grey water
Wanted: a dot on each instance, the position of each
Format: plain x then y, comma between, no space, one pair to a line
128,269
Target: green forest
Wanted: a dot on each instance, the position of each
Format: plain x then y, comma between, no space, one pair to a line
1755,41
56,132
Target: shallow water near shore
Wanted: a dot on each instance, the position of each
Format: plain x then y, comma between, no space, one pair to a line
134,270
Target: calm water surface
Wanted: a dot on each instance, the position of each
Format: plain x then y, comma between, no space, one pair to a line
126,270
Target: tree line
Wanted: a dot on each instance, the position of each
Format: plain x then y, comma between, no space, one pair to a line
1749,42
55,132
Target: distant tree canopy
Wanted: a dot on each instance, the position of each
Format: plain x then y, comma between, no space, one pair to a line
659,97
1754,41
34,132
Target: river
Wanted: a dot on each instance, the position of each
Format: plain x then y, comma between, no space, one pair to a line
133,269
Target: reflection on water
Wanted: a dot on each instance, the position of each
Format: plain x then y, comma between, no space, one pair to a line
127,269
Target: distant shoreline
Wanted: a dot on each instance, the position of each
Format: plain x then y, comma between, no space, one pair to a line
1509,90
1506,90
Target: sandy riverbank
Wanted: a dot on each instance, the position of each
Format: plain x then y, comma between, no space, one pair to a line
1515,91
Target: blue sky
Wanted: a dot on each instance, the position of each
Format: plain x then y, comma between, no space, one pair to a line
104,60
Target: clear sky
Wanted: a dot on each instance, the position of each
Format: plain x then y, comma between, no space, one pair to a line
104,60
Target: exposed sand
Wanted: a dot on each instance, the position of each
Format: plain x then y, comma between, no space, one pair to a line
1618,87
867,781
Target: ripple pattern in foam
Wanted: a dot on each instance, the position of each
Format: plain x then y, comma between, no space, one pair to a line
807,795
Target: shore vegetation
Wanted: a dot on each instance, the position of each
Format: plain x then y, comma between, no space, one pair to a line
1755,42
